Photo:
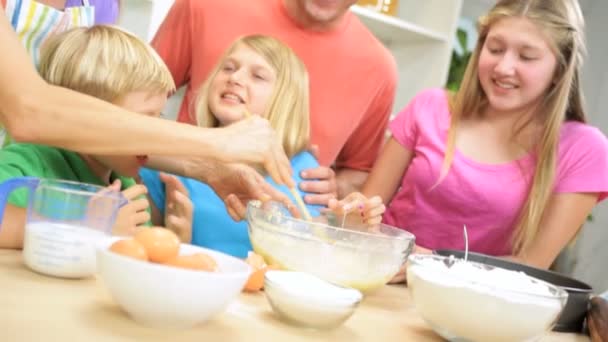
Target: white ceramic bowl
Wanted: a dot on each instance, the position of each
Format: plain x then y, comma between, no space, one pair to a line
478,302
305,300
169,297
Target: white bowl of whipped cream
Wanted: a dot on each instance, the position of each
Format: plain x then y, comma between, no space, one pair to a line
468,301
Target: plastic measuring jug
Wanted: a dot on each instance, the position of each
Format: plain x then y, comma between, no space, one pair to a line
65,221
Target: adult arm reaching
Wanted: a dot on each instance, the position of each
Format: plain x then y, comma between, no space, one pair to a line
36,112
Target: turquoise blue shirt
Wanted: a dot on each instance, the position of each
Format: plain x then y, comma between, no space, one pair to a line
212,226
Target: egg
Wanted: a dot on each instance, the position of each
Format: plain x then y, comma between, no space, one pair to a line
256,279
197,261
131,248
161,244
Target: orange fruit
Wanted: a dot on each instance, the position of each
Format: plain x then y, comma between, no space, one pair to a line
161,244
198,261
131,248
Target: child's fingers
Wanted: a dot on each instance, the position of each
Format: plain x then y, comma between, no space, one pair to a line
373,202
173,182
115,186
164,177
183,204
140,218
176,223
373,221
353,205
179,186
181,223
141,204
375,211
181,226
332,204
169,181
347,205
135,191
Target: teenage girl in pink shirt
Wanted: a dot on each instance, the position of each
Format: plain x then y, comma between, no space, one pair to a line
510,155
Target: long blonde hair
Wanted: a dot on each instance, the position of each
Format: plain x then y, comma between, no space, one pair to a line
563,23
288,109
105,62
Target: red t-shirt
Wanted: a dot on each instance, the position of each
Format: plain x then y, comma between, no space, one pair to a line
352,75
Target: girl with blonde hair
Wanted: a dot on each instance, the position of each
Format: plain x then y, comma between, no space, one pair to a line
257,75
509,155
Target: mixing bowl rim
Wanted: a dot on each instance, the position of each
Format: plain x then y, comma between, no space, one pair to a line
559,293
342,303
148,266
403,235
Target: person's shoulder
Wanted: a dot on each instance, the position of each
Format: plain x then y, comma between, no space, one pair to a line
431,97
574,135
370,46
428,107
32,150
18,159
580,141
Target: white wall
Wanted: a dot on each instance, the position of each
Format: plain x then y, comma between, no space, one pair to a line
591,252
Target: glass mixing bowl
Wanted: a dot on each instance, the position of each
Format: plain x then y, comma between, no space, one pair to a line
364,258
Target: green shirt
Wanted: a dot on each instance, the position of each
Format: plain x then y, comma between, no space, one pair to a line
17,160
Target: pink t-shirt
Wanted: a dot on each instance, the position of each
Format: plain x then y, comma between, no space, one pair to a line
485,197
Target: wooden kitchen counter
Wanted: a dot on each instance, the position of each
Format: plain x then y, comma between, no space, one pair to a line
39,308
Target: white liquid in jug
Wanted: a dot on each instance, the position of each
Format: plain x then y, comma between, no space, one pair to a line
61,250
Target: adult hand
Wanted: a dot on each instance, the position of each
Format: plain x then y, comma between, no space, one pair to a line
178,208
319,183
253,141
134,214
237,184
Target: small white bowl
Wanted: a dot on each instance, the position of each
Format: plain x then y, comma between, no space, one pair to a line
169,297
305,300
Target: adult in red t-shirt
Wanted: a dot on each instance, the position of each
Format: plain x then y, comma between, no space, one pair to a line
352,75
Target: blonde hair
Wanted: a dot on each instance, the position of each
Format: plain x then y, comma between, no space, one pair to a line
288,109
563,23
105,62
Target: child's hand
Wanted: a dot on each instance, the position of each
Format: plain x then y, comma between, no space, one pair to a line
319,183
134,214
178,207
359,209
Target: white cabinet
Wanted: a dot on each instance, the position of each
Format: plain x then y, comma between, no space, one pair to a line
420,38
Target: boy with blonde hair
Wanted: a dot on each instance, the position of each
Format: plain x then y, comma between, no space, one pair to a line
116,66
